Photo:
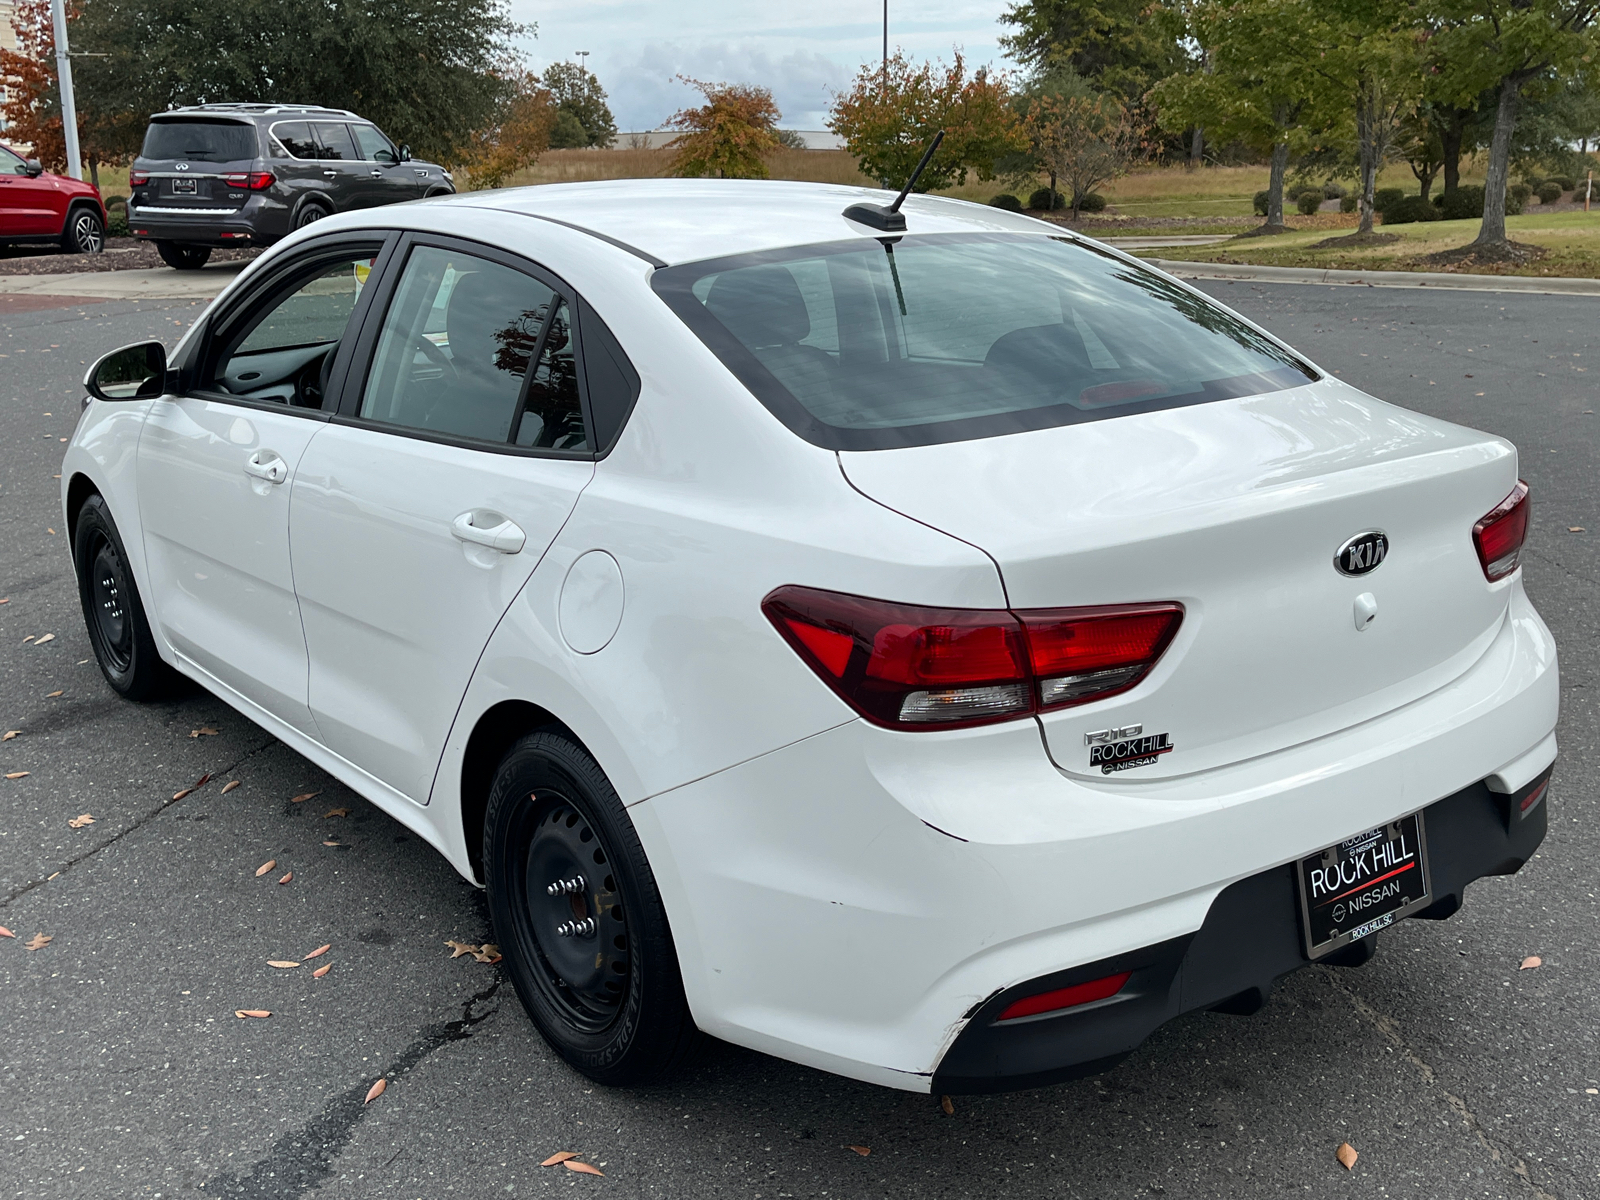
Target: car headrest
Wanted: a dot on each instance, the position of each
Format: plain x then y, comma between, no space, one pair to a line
482,305
761,306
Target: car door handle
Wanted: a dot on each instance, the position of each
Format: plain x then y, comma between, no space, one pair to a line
265,464
419,171
484,528
376,174
330,174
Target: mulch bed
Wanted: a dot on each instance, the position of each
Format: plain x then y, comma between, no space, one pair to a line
121,254
1473,256
1353,241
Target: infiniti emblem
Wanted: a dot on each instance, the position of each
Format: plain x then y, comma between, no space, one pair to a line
1362,553
180,167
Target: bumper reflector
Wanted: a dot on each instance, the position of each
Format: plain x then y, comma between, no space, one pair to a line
1067,997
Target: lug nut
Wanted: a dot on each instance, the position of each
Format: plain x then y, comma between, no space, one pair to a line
583,928
566,887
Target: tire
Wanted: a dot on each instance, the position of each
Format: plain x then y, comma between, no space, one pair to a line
112,609
183,258
85,232
309,213
622,1019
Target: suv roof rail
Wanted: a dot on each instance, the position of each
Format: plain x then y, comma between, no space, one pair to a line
262,109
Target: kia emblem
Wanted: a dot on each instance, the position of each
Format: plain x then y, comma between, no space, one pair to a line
1363,553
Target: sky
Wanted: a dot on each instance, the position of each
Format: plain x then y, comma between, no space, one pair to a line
804,52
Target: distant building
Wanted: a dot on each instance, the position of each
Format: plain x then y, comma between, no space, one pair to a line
654,139
8,41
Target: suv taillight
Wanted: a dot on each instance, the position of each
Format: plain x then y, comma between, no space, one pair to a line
138,178
1500,532
910,667
256,181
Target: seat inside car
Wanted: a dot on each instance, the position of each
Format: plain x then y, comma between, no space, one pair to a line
763,308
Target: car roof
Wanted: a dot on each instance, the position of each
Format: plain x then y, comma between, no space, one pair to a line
686,220
257,110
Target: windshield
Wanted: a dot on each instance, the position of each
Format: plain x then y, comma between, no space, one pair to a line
200,141
876,343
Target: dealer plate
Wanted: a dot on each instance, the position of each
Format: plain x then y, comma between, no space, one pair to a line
183,187
1363,884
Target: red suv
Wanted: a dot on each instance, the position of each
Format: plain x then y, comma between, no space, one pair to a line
36,206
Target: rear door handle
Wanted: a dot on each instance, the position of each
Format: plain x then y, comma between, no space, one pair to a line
265,464
482,527
330,174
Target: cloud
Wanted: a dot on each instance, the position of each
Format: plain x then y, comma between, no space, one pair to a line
646,91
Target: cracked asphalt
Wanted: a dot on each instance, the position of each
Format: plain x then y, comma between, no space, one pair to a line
124,1071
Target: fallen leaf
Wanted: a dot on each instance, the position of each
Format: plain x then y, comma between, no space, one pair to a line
203,731
376,1090
251,1012
1591,1091
4,932
946,1104
51,695
182,794
9,734
333,843
17,774
861,1150
320,951
228,787
303,797
7,600
322,970
287,876
1576,529
265,867
337,812
282,964
80,822
461,948
487,953
1346,1154
202,781
38,941
29,638
582,1168
1529,963
49,637
559,1157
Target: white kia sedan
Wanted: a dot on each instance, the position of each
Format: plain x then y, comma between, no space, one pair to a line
937,655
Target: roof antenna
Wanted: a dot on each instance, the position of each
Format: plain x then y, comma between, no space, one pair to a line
891,219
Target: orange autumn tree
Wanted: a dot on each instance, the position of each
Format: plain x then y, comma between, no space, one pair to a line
517,139
28,73
729,136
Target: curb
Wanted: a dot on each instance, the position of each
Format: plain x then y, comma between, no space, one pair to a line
139,283
1399,279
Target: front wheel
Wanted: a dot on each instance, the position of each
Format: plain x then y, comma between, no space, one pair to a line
112,609
183,258
85,232
579,918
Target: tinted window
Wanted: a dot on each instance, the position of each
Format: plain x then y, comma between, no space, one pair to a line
454,350
370,143
335,142
613,383
11,164
200,141
295,136
871,344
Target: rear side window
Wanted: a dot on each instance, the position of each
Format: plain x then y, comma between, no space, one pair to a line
877,343
334,142
295,137
200,141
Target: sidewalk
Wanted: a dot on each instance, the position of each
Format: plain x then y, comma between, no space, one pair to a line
1547,285
162,283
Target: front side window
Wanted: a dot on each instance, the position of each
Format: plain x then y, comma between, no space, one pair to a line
12,164
374,147
334,142
454,352
877,343
200,141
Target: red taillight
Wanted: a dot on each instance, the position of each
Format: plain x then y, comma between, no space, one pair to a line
256,181
911,667
1067,997
1500,532
138,178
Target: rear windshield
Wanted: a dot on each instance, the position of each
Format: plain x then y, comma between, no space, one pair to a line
876,343
200,141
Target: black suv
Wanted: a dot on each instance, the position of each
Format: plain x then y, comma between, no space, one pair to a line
247,174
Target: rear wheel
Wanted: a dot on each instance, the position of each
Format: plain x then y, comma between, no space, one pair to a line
309,213
183,258
112,610
85,232
579,918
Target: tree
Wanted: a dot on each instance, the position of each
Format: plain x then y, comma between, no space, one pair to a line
579,93
727,137
1122,46
514,141
429,72
888,117
31,109
1082,141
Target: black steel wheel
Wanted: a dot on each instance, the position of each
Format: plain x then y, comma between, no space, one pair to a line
85,232
112,610
578,916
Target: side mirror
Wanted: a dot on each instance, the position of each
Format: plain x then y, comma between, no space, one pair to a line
384,157
405,153
32,168
136,372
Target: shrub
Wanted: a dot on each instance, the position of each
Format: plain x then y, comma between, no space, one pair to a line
116,216
1515,201
1332,191
1462,204
1092,202
1349,203
1309,202
1045,200
1550,192
1566,182
1520,191
1409,209
1384,197
1291,192
1260,202
1006,201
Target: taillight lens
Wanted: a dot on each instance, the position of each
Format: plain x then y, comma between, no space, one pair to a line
256,181
914,667
1500,532
138,178
1067,997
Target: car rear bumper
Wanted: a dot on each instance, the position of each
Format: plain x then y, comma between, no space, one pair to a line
856,900
260,221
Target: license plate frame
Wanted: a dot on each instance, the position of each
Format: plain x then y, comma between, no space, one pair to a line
1353,888
185,187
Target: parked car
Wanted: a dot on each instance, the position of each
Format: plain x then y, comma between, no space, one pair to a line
938,658
248,174
39,206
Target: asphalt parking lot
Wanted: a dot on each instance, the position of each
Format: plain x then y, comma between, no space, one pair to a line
124,1071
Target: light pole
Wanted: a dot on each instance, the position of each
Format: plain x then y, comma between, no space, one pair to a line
584,55
885,43
69,107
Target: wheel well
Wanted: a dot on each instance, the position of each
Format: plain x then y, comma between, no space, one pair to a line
79,489
75,205
495,733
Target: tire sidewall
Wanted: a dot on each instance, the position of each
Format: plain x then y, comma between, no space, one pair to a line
144,673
